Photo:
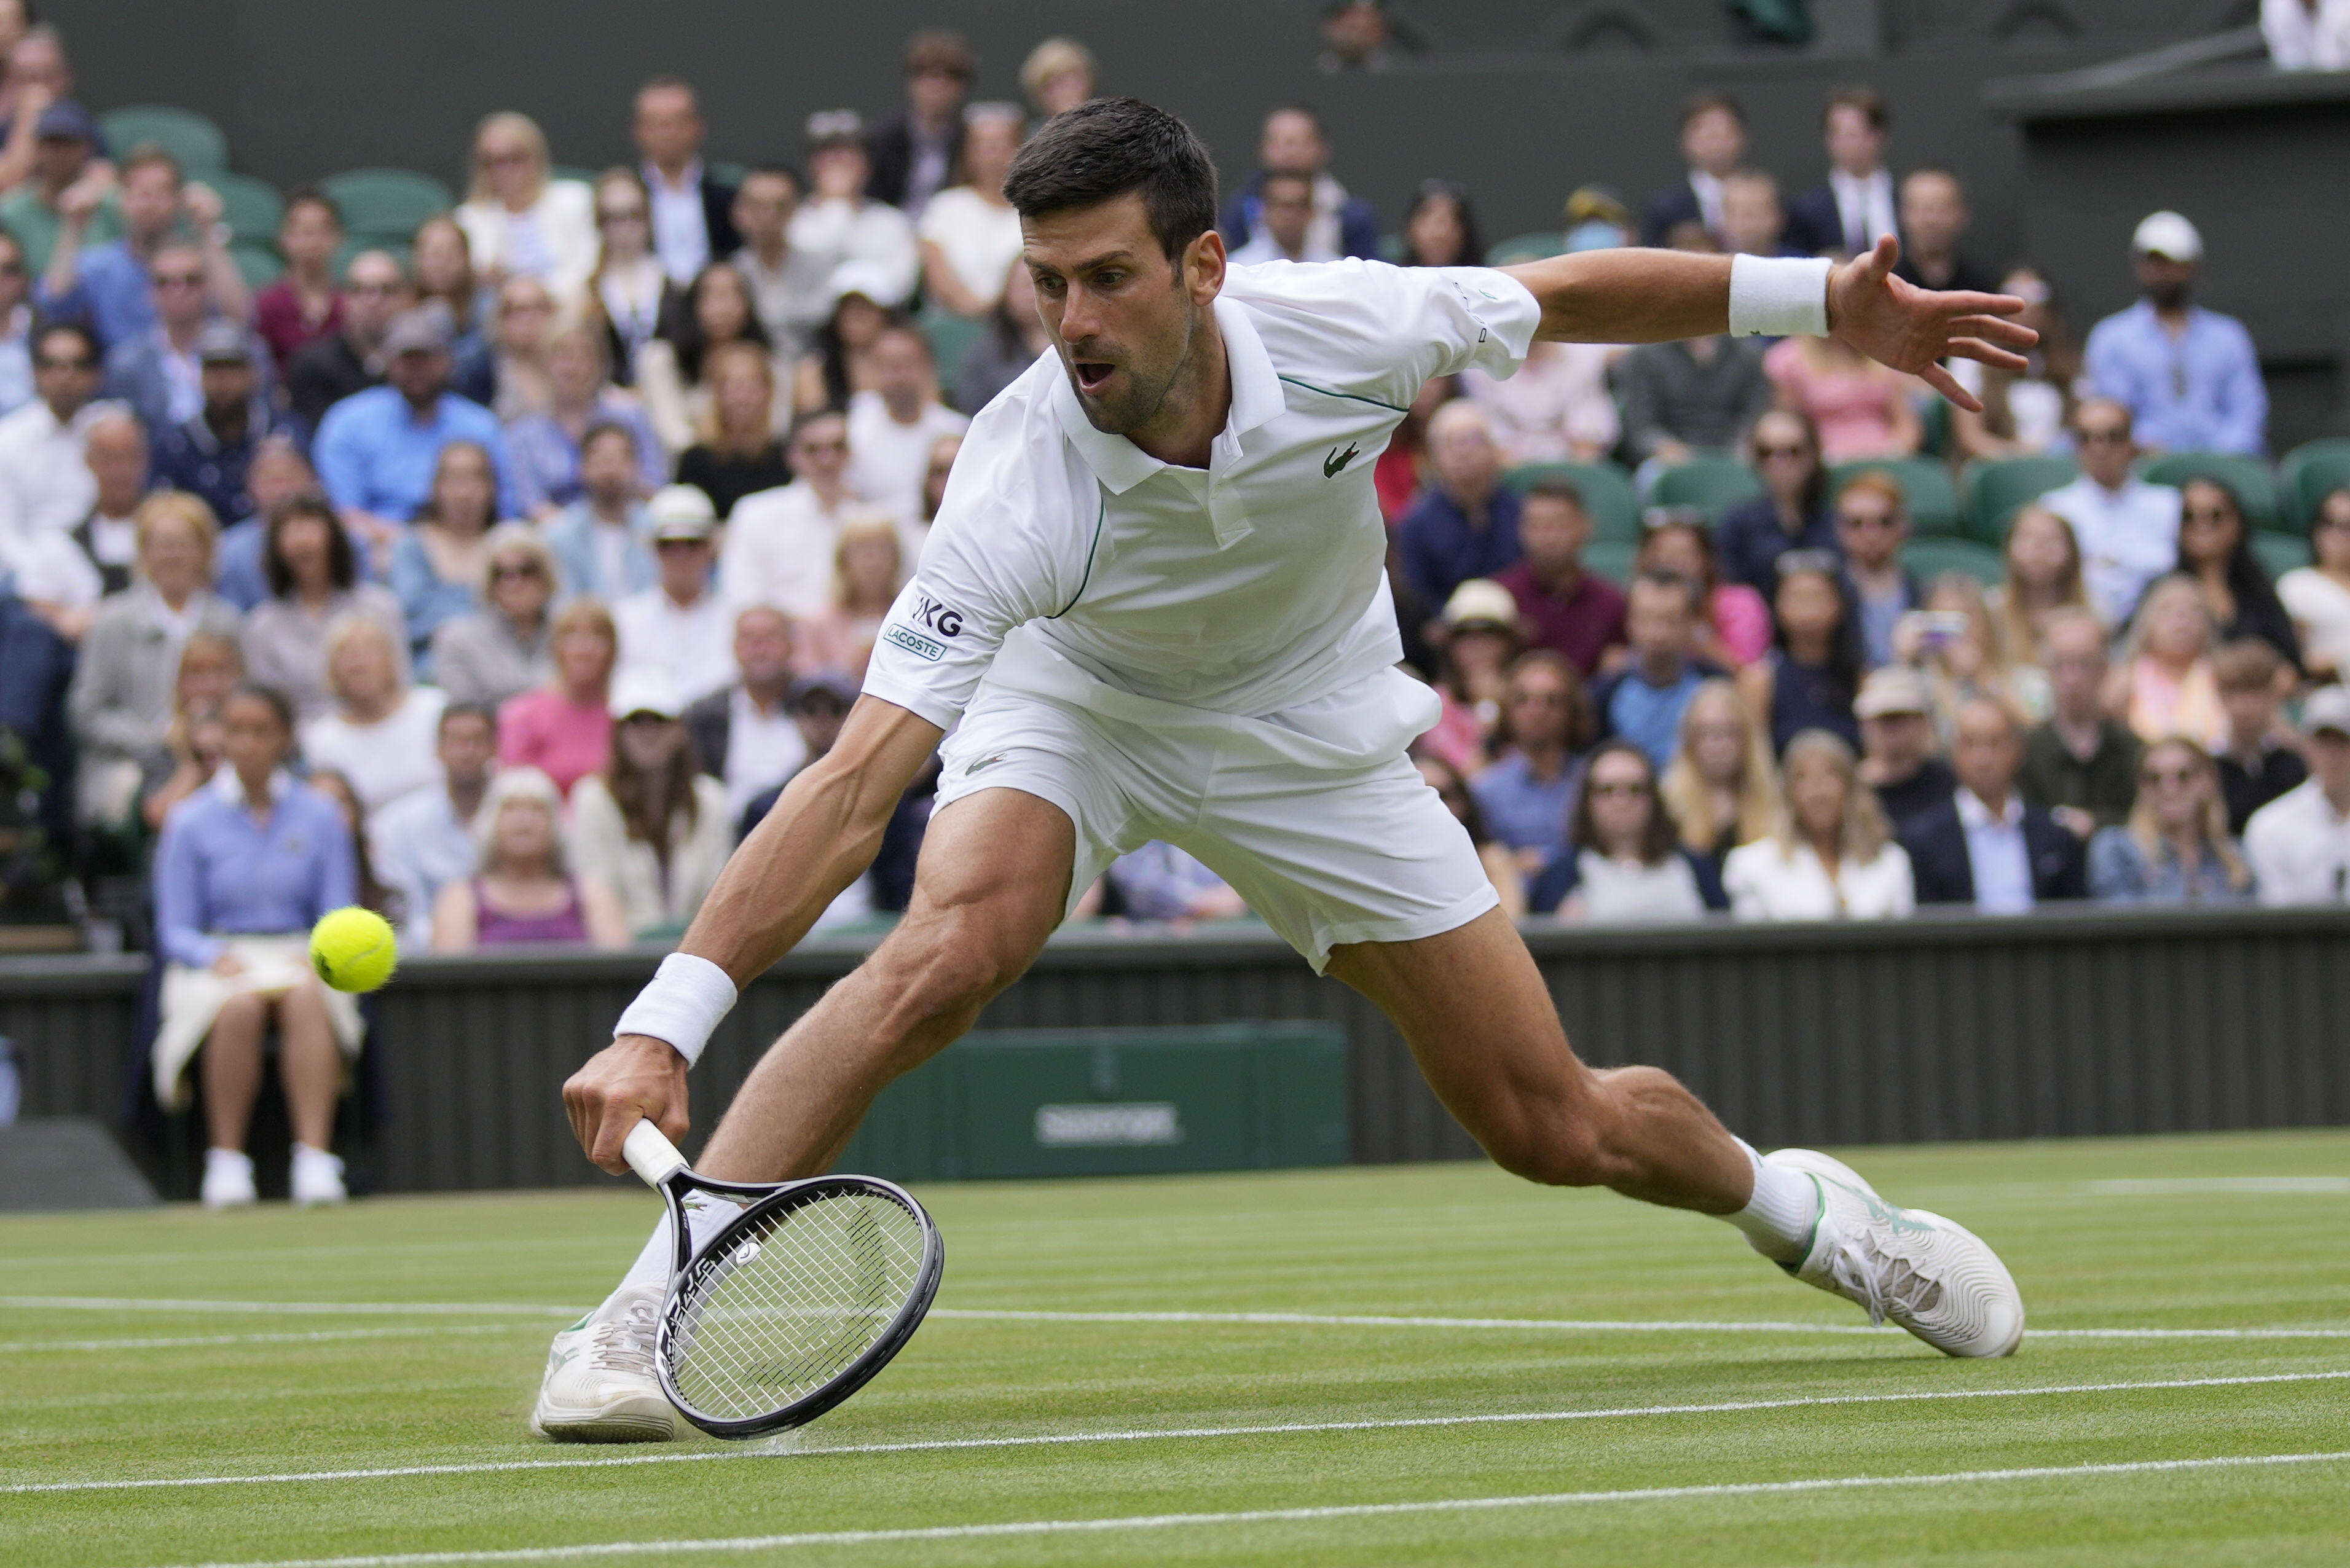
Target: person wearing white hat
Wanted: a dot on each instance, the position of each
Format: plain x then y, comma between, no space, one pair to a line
2189,376
652,825
2299,844
677,629
837,220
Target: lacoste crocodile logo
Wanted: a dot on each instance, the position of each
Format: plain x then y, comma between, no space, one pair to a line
1338,460
986,762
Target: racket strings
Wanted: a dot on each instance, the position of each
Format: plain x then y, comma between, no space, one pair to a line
793,1303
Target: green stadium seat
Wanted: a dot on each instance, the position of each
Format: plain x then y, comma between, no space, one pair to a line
1606,496
382,205
950,336
1525,248
2249,477
2309,471
200,145
2279,553
250,207
1611,559
1711,485
258,263
727,173
1995,487
1391,247
1934,427
1931,557
1932,501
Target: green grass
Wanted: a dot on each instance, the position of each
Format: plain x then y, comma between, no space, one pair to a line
1455,1241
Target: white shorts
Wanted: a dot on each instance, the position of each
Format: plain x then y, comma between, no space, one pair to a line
1324,856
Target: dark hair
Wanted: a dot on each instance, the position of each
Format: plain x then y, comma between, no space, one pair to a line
906,326
1866,100
599,429
1579,718
832,353
482,711
1704,102
684,328
1557,487
1816,489
937,51
1847,652
1471,815
1472,246
342,564
808,416
430,511
311,196
280,703
2255,596
1661,838
651,802
148,154
776,170
49,329
1657,578
1104,148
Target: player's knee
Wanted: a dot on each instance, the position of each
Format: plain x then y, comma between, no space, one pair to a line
1548,1146
950,965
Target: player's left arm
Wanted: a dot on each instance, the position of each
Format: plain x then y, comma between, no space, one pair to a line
1655,295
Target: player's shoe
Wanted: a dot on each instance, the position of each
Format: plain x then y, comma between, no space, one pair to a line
600,1385
315,1178
1927,1275
228,1180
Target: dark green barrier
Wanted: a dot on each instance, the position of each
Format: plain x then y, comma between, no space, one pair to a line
1113,1101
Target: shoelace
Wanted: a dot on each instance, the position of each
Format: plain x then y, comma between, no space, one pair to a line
625,1343
1878,1283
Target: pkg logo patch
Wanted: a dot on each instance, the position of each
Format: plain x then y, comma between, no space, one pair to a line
914,642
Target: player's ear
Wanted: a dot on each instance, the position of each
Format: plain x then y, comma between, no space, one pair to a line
1203,268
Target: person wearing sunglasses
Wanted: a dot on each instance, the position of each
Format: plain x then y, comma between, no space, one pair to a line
1624,859
2175,848
2127,529
108,284
159,370
45,481
507,646
1791,512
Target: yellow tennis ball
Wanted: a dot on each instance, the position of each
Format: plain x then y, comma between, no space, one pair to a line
353,949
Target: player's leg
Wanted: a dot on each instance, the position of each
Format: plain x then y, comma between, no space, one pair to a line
230,1066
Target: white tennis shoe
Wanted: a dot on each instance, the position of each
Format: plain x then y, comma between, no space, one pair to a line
228,1180
1927,1275
314,1177
600,1385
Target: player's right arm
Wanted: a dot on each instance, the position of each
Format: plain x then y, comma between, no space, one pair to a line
823,832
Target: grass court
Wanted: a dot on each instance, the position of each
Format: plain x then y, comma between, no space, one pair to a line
1398,1364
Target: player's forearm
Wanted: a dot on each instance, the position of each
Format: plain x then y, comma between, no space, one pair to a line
1655,296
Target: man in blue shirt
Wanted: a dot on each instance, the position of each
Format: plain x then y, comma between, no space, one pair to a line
107,284
2189,376
376,449
1467,524
1642,702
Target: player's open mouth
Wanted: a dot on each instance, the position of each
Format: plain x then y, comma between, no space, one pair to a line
1093,375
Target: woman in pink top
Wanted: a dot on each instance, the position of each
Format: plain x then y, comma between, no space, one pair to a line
565,729
2164,685
1861,408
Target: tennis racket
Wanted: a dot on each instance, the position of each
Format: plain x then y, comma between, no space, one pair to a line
795,1303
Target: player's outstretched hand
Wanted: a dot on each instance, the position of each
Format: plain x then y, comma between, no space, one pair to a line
635,1077
1912,328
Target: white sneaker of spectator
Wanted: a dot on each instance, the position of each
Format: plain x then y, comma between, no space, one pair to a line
317,1177
228,1178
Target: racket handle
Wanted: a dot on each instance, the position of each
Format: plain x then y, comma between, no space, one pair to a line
652,1156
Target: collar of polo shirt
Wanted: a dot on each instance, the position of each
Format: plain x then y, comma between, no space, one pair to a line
1121,465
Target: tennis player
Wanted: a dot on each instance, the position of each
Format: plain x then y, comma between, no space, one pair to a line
1154,605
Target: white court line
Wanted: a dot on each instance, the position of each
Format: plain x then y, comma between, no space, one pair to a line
436,1331
360,1308
2166,1185
1062,1439
1289,1515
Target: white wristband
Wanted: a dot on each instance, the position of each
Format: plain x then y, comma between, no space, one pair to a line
682,1005
1779,296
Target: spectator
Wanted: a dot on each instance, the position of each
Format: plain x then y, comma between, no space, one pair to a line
1355,36
779,544
1441,230
545,447
303,305
1753,221
440,563
893,428
842,223
1845,216
370,893
1524,795
519,221
1501,864
1811,677
914,150
1642,701
819,704
2164,685
1058,74
1556,409
62,187
111,284
33,76
652,825
739,455
351,358
2043,576
943,452
2318,596
842,363
745,735
1859,408
1792,514
194,744
1597,220
1713,144
15,326
500,650
1402,468
2215,549
1623,861
1291,144
156,369
1561,606
1163,885
2299,844
600,539
2025,413
122,682
1898,758
1691,397
673,370
380,733
2176,847
565,727
1722,788
522,325
208,454
1479,643
692,215
628,292
1014,339
115,448
522,891
1831,856
2307,34
2127,529
275,473
1954,641
246,866
2081,764
1466,525
443,260
424,840
2189,376
676,631
791,287
969,233
1987,845
2259,762
1934,218
868,568
1735,629
313,574
1284,231
1872,523
379,451
45,478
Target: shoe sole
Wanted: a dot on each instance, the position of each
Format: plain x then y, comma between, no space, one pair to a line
636,1420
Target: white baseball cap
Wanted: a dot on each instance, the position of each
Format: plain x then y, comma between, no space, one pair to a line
2328,707
2166,234
645,691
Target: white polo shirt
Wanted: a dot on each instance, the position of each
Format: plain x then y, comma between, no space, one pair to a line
2300,848
1065,562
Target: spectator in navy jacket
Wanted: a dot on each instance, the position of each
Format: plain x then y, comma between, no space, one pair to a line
1790,514
911,152
1466,525
1987,845
1844,216
208,454
1713,144
1342,224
